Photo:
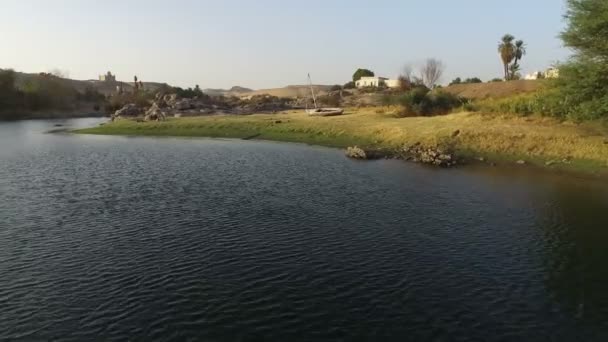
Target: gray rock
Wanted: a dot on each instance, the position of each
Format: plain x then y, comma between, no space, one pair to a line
183,104
155,113
356,153
129,109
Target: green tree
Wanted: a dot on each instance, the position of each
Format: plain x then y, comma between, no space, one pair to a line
520,50
362,73
457,80
506,49
8,92
582,85
473,80
514,71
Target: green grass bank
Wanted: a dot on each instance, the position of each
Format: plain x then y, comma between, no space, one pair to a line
494,138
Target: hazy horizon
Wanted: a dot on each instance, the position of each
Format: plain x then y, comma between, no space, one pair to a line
270,44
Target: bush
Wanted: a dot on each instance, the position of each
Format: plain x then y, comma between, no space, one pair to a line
581,90
336,87
421,101
189,93
350,85
141,100
332,100
473,80
9,98
495,80
457,80
90,95
48,91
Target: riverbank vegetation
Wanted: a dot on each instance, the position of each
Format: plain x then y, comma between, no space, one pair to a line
494,138
581,91
40,95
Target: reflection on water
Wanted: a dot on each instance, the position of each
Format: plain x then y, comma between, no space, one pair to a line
141,238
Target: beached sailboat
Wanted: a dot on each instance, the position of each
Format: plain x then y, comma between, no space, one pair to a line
320,111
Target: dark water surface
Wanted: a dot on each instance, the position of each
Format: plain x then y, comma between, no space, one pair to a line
117,238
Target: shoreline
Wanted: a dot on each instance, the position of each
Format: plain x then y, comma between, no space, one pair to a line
473,138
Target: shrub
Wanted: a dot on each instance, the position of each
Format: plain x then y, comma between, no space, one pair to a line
495,80
141,100
457,80
336,87
581,90
48,92
420,101
473,80
90,95
8,93
349,85
332,100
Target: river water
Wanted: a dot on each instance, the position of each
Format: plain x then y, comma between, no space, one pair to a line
117,238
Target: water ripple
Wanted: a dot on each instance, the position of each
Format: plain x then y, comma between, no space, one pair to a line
165,239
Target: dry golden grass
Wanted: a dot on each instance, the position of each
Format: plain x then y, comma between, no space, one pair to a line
500,137
494,90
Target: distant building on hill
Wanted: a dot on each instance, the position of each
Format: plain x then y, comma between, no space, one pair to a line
374,81
552,73
108,78
549,73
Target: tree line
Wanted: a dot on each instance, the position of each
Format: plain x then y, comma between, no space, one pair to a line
46,91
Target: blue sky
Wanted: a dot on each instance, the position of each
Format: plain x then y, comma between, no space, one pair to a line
272,43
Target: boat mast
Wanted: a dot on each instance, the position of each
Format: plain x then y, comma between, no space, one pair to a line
314,99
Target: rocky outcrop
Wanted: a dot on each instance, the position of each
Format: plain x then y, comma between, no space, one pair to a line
437,156
129,109
155,113
356,153
184,104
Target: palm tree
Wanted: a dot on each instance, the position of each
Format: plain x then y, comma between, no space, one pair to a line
506,49
519,52
514,70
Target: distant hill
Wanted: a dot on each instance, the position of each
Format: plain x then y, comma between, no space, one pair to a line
494,89
238,89
108,88
215,91
105,88
292,91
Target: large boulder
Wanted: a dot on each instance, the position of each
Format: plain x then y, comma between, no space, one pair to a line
430,155
129,109
155,113
170,99
183,104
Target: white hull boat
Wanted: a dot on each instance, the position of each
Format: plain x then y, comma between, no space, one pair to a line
321,111
325,111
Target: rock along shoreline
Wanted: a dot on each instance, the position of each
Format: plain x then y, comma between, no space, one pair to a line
431,155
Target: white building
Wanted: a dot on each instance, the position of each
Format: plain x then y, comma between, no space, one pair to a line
552,73
392,83
533,75
549,73
373,81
